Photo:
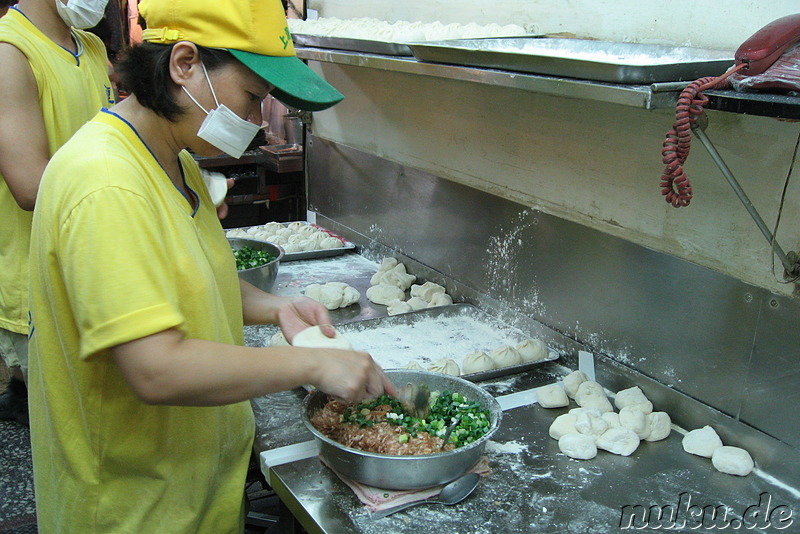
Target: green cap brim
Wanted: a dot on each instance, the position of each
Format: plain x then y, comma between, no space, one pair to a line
296,85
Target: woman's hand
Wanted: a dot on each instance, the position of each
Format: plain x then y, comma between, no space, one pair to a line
297,314
351,376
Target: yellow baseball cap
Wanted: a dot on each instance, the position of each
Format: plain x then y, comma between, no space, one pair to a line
254,31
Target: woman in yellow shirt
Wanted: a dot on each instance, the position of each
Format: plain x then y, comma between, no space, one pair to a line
139,383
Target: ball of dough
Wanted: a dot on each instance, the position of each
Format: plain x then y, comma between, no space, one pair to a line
426,290
333,295
384,293
476,362
505,356
660,426
590,394
619,440
396,276
398,306
386,265
552,396
573,381
532,350
446,366
611,419
440,299
578,446
314,338
417,303
702,442
635,420
413,365
628,397
590,422
732,461
644,407
562,425
278,340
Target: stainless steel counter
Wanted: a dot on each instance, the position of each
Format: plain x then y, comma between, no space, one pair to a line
533,487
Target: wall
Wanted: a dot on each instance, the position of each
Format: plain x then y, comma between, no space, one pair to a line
594,163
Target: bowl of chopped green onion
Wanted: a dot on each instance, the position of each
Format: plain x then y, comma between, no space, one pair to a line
256,261
474,413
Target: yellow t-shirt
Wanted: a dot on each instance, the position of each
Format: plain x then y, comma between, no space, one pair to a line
117,253
71,90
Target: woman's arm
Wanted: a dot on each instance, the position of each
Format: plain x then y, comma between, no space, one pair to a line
167,369
293,314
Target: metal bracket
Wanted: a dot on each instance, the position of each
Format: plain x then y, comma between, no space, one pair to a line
791,262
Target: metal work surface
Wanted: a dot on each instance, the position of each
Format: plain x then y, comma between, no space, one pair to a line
533,487
356,45
685,326
579,58
638,96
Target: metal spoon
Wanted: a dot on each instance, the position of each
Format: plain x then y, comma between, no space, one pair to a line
453,493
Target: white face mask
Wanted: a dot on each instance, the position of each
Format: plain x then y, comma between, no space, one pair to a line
223,128
82,14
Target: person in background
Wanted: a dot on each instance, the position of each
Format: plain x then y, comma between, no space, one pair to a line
54,79
139,380
4,5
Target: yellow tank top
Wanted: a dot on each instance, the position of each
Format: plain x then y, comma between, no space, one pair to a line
72,89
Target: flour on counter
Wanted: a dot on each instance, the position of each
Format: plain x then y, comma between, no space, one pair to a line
509,447
396,341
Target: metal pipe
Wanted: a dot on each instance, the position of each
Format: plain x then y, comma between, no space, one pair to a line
698,130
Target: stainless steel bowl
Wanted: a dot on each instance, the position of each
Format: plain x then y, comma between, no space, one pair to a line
263,276
406,472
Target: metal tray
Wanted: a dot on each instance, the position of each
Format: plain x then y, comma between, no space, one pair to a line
309,254
603,61
442,332
354,45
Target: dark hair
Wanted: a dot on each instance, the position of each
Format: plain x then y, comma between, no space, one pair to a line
144,72
7,3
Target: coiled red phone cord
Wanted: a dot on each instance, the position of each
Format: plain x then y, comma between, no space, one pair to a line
675,184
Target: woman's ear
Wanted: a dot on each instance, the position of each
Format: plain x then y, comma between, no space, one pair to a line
185,66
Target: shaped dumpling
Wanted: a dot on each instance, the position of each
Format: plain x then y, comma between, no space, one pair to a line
476,362
532,350
413,365
330,242
446,366
296,226
505,356
385,293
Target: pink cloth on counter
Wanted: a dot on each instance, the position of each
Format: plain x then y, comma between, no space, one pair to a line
377,499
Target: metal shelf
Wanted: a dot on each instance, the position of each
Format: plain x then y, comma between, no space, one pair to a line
639,96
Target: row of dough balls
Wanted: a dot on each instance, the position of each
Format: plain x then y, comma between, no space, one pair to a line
333,295
529,351
595,425
294,237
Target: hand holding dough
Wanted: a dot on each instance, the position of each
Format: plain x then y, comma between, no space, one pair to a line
314,338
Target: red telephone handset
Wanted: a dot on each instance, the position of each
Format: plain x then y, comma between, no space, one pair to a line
765,46
765,54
